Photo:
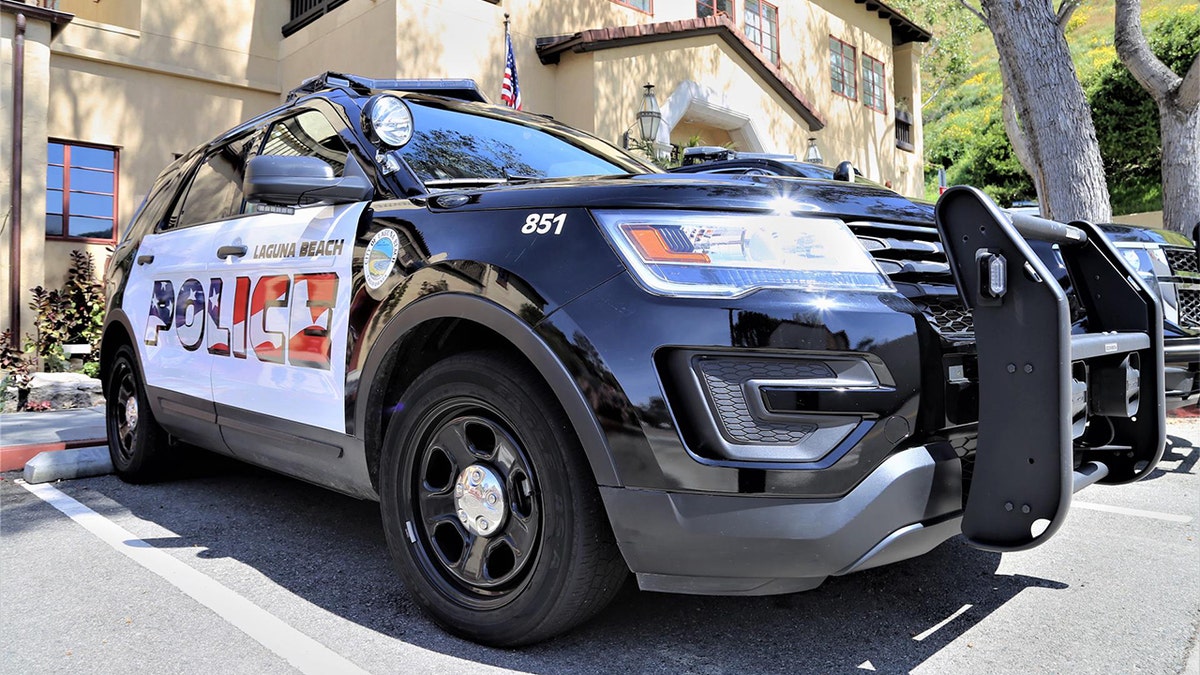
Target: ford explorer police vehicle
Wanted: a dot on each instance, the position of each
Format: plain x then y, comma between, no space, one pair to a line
553,365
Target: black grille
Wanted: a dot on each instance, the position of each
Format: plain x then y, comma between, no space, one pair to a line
914,259
724,378
1182,261
1189,307
947,314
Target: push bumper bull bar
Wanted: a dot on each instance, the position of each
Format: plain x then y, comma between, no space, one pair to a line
1057,411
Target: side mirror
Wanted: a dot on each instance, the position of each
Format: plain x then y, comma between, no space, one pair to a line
844,172
296,181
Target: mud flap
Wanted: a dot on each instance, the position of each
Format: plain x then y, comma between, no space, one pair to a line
1032,369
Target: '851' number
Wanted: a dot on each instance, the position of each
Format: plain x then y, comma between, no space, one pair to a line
540,223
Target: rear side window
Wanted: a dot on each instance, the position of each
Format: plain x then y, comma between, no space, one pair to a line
156,205
216,188
308,134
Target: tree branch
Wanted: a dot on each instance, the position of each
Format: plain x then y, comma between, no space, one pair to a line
1188,96
1135,53
1016,135
978,14
1065,10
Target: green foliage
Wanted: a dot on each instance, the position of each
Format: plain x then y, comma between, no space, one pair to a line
964,133
1126,116
73,315
87,297
947,58
54,321
18,368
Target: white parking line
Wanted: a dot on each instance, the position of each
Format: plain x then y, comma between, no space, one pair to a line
302,652
939,626
1157,515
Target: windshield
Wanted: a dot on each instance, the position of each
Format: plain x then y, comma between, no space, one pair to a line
808,170
455,144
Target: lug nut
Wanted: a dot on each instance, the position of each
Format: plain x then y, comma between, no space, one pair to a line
462,516
482,523
492,498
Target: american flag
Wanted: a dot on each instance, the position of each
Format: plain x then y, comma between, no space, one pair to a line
510,89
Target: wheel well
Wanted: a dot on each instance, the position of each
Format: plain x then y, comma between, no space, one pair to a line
420,348
114,337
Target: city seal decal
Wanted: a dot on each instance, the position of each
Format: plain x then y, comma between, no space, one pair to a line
380,257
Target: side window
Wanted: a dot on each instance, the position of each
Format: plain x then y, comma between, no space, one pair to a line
308,134
216,188
156,204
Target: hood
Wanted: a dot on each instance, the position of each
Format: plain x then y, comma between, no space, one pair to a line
688,192
1120,233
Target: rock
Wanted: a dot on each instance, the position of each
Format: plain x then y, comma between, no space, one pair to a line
65,390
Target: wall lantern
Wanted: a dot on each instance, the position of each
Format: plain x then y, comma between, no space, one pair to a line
813,153
649,119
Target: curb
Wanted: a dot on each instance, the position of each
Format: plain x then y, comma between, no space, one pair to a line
14,457
77,463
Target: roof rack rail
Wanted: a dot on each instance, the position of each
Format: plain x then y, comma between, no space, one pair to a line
464,89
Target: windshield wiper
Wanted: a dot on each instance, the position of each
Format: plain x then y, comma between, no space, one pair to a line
463,182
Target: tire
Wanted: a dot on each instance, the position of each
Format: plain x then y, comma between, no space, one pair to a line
136,443
545,559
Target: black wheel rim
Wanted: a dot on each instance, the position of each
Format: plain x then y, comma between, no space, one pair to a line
122,409
473,569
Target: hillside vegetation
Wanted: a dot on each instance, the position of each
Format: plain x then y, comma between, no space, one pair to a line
964,131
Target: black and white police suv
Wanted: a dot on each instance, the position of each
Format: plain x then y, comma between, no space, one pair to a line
552,364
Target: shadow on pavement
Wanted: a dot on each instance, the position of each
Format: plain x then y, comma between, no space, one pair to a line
330,551
1180,450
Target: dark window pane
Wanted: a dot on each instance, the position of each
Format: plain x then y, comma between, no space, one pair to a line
54,202
54,224
92,228
91,181
54,177
154,209
55,153
93,158
90,205
216,190
308,134
451,144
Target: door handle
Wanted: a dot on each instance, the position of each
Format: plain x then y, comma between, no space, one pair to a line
145,259
227,251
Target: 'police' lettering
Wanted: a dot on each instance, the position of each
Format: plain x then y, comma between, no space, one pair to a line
279,318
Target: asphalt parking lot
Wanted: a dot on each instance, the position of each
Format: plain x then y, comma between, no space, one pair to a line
235,570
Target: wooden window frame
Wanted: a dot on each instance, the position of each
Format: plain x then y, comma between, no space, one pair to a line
66,190
628,3
853,80
731,15
772,55
881,100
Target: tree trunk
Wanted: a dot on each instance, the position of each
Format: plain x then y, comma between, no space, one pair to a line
1053,112
1180,168
1178,100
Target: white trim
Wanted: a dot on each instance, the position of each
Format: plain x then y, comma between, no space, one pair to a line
692,99
301,651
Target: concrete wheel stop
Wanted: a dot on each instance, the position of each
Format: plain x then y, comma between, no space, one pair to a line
67,464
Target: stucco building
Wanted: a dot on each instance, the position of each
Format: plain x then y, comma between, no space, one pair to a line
108,91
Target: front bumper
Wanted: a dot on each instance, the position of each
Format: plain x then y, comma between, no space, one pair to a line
692,543
1181,375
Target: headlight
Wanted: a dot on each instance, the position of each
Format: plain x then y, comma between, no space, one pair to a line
725,255
1148,261
387,120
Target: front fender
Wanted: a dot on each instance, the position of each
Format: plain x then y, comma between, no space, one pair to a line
516,331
